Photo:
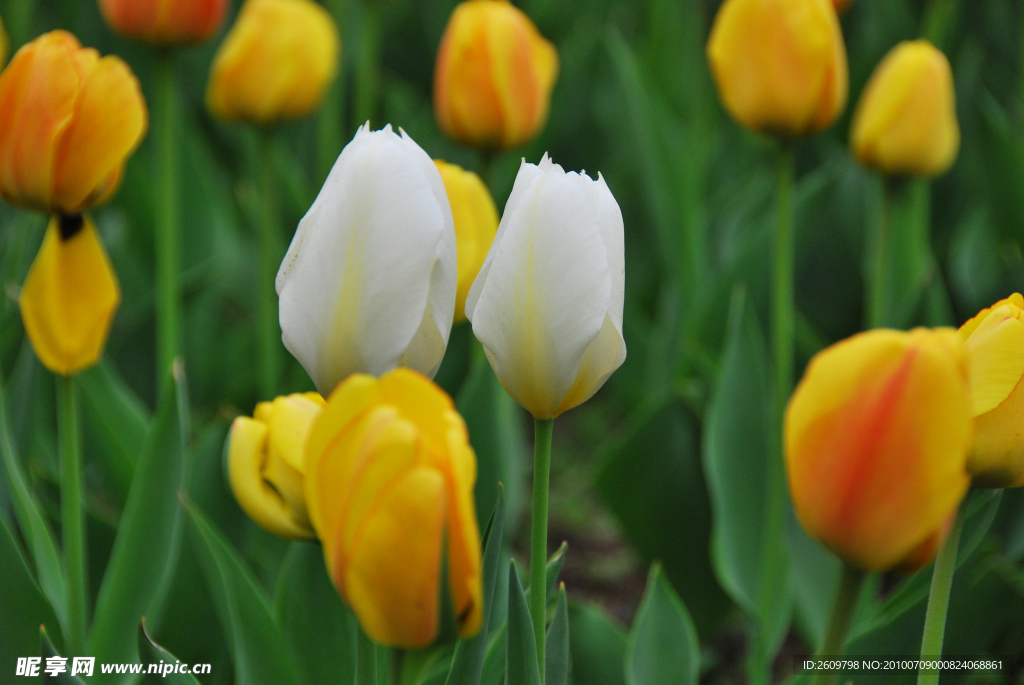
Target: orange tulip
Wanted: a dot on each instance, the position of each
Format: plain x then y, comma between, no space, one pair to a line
877,436
389,488
68,120
164,22
494,75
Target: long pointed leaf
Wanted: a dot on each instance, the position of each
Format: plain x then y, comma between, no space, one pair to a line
662,647
152,653
556,653
23,607
520,645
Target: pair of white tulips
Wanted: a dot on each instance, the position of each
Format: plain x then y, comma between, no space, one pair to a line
369,281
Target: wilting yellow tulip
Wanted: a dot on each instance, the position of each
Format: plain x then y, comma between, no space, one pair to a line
780,65
494,75
876,436
266,457
68,120
389,486
476,222
905,122
275,63
994,344
164,22
69,297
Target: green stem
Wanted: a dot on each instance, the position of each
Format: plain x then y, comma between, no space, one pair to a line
782,282
878,266
839,620
396,671
539,533
368,64
168,241
331,118
71,510
938,599
270,258
366,659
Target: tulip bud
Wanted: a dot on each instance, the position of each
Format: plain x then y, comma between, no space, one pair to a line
905,122
994,345
266,462
876,438
476,222
68,120
69,297
494,75
389,484
369,280
547,305
780,65
276,62
164,22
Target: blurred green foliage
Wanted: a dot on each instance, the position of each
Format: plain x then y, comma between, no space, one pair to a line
677,446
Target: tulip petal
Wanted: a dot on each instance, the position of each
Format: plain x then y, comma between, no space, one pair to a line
995,358
546,291
419,400
263,504
109,121
290,422
69,299
464,575
392,577
997,457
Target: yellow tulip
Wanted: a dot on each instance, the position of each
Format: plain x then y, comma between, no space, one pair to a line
69,297
994,344
905,122
68,121
780,65
389,486
164,22
266,457
276,62
476,222
493,76
877,435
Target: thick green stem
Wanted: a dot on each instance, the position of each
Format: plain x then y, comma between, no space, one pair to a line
168,241
839,620
878,264
270,258
366,659
782,282
539,532
938,600
71,510
368,64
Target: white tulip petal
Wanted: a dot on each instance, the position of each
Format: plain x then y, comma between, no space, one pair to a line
371,269
548,289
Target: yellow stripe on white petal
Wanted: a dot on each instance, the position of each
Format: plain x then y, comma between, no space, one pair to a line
369,280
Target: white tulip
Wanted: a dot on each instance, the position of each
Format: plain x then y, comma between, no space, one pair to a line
369,280
547,303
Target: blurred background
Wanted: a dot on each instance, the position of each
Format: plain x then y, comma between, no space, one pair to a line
639,472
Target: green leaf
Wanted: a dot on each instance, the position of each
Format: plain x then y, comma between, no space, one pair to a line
662,648
556,654
47,650
117,420
598,646
743,464
258,649
146,548
553,570
468,662
319,627
23,608
152,653
520,645
33,526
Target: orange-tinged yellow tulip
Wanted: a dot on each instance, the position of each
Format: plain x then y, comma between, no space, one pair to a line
476,223
69,297
276,62
780,65
164,22
389,486
876,436
905,122
494,76
266,456
994,344
68,120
